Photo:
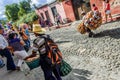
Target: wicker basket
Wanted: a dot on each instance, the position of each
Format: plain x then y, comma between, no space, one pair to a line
34,63
65,68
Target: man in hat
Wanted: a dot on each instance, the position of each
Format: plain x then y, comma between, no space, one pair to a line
39,45
5,52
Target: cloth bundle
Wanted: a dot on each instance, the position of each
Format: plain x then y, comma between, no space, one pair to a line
91,20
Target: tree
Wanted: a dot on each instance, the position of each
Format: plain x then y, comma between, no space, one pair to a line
28,18
25,5
11,11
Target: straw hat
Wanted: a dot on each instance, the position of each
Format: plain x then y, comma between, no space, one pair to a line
37,29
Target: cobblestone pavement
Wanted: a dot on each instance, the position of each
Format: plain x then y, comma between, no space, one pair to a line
95,58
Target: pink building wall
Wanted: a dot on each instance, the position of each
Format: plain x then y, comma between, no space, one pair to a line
59,8
42,10
68,7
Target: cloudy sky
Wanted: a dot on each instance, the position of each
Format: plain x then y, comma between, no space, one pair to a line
6,2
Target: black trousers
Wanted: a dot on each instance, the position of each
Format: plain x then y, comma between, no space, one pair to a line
48,71
10,62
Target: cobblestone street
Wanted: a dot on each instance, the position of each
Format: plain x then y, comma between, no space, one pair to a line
95,58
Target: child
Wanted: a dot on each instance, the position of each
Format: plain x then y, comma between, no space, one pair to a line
17,47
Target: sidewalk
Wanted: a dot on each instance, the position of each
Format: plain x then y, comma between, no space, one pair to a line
57,27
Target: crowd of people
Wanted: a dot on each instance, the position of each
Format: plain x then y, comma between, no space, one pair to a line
17,43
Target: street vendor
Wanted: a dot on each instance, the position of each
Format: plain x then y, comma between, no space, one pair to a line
87,22
39,45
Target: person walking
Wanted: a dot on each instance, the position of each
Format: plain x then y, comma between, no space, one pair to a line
39,45
48,24
58,19
108,11
4,51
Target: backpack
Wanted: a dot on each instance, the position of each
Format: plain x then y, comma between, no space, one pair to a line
53,54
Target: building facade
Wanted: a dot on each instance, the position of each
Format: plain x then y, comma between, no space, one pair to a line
49,11
70,10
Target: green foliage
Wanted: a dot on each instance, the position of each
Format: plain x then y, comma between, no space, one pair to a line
28,18
25,6
15,11
20,13
11,11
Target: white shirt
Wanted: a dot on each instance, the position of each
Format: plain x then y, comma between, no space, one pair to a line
3,42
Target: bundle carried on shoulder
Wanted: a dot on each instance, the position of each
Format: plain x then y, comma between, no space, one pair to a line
92,20
81,28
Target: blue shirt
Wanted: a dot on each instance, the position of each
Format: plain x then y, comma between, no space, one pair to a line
15,44
27,32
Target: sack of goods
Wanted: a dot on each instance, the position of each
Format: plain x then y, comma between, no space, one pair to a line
92,20
33,62
81,28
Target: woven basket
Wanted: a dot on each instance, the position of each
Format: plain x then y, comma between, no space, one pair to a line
65,68
34,63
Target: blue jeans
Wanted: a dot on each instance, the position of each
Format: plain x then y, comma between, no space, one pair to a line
10,62
48,71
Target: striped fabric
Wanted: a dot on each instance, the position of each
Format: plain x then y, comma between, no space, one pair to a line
39,44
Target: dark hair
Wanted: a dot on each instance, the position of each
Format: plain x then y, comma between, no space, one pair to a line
93,5
107,1
11,36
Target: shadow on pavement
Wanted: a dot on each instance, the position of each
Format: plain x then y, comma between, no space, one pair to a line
81,74
62,42
114,33
78,74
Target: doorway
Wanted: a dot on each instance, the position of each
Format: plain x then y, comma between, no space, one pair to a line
79,6
54,11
